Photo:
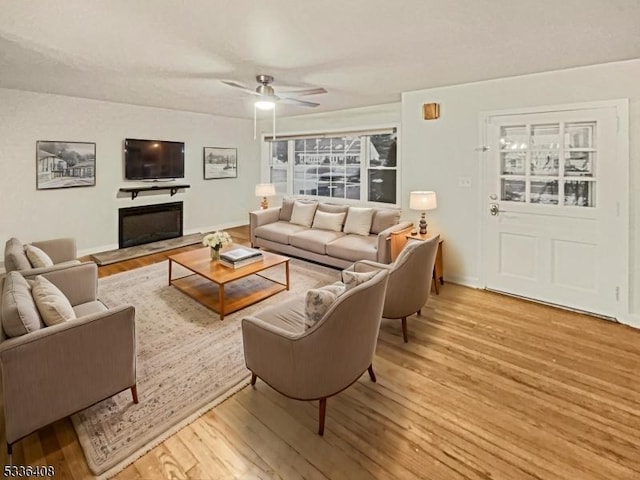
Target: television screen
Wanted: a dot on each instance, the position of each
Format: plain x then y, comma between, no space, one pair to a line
153,159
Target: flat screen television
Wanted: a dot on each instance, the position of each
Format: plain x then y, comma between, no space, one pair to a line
153,159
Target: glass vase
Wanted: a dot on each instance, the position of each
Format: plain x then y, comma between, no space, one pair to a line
215,253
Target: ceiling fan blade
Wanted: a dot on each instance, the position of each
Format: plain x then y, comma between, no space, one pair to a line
240,86
301,93
295,101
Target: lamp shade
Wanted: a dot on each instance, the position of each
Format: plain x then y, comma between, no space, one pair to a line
422,201
265,190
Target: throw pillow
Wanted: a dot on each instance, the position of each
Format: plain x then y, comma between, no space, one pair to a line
358,221
384,218
316,304
14,256
353,279
303,213
37,257
19,313
286,209
51,302
328,221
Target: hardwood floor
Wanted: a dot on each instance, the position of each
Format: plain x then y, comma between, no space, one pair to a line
488,386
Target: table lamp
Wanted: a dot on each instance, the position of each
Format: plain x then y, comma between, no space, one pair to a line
265,190
422,201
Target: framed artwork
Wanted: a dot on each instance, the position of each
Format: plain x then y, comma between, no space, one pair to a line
65,164
220,163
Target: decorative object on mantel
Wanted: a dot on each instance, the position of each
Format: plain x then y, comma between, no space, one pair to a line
216,241
265,190
431,111
423,201
220,163
65,164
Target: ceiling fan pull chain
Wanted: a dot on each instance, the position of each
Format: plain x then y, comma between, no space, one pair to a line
255,121
274,122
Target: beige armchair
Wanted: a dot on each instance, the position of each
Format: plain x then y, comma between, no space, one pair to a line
409,279
321,361
62,251
53,372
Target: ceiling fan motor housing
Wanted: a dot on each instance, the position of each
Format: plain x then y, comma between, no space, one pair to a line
265,89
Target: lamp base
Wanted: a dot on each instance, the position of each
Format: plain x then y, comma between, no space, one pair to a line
264,203
423,224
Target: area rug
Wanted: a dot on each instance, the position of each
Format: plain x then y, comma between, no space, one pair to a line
188,361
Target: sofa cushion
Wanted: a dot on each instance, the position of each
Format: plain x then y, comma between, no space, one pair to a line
353,279
358,220
14,256
332,208
19,312
287,315
303,213
286,209
384,218
37,257
278,231
328,221
88,308
354,247
314,240
53,306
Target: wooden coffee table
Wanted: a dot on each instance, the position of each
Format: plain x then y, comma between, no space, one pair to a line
225,290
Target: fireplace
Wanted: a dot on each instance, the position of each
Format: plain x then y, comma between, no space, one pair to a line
149,223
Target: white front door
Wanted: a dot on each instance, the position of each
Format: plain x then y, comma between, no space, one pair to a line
552,225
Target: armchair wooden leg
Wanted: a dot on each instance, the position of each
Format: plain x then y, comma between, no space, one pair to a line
134,393
419,311
322,412
371,374
253,378
405,334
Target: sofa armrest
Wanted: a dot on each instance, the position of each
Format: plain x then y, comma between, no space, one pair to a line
56,371
79,283
58,249
384,249
268,351
32,272
262,217
362,266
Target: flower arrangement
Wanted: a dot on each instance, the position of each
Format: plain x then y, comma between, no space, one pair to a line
217,240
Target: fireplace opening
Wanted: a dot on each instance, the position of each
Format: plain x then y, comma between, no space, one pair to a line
149,223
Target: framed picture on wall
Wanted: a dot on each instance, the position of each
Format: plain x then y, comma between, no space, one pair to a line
220,163
65,164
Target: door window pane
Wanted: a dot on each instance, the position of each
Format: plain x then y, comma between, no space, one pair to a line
579,193
514,190
544,162
579,164
544,192
545,137
513,138
579,135
513,163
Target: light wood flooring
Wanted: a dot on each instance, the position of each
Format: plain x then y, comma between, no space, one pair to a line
488,387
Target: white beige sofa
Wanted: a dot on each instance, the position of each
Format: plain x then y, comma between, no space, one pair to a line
322,239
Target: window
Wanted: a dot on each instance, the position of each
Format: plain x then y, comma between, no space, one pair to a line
356,166
549,164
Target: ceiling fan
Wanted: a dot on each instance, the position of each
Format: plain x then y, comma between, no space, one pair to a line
268,97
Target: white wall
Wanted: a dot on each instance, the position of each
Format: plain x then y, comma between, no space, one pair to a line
436,153
90,214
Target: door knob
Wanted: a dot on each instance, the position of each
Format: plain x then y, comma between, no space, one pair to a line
494,209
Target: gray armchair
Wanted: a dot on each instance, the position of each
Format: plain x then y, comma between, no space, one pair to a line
62,252
319,362
53,372
409,279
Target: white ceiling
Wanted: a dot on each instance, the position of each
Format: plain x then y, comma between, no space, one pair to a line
172,54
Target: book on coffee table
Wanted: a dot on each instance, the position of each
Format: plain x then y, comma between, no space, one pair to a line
240,263
240,254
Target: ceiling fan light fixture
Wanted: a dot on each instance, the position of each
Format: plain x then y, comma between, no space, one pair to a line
265,104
